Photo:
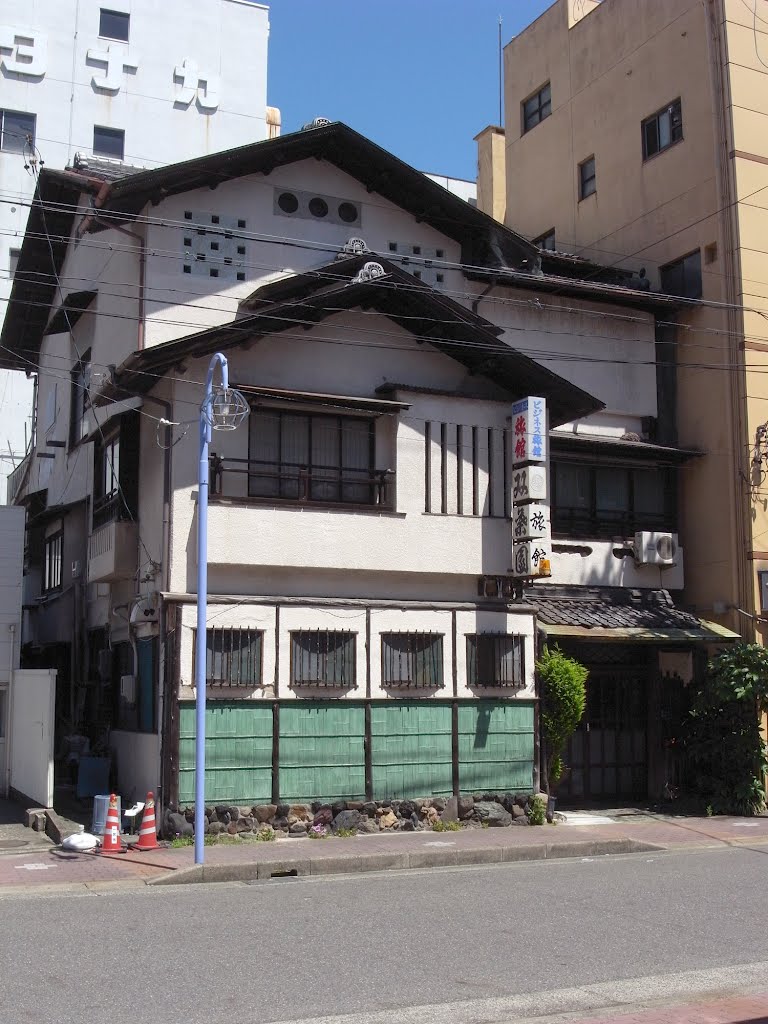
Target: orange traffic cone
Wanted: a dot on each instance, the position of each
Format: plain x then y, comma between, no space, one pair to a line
110,842
148,830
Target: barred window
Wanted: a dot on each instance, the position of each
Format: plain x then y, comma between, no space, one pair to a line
320,657
412,660
233,657
495,659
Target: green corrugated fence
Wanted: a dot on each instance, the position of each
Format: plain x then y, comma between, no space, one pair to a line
322,745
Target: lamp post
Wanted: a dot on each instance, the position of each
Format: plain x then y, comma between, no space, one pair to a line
223,409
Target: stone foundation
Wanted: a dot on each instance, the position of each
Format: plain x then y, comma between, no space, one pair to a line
483,810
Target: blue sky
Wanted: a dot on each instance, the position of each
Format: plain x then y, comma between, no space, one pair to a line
419,77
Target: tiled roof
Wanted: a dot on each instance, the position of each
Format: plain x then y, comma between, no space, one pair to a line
608,608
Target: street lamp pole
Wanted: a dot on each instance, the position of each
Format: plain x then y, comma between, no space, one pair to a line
222,409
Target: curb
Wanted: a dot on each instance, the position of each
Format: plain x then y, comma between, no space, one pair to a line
300,866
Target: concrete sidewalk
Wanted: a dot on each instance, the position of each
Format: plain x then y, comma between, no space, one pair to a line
248,860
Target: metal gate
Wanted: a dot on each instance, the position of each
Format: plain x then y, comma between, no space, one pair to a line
607,756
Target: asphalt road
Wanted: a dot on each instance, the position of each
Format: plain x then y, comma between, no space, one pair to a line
502,942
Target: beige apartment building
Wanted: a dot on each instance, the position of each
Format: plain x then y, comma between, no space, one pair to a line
636,136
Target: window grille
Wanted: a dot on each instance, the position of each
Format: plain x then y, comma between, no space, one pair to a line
412,660
233,656
54,552
495,659
321,657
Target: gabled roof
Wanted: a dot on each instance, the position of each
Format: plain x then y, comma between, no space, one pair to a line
428,315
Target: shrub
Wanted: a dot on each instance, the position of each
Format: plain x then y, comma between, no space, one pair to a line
446,826
724,744
563,699
537,811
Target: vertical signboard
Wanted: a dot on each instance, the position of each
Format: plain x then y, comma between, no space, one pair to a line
531,544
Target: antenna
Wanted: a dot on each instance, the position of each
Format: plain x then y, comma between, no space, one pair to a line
501,82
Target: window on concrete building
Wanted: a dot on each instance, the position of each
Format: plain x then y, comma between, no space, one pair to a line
13,262
114,25
321,657
598,500
537,107
663,129
412,660
495,659
312,457
587,180
683,276
109,142
54,553
546,241
17,130
233,656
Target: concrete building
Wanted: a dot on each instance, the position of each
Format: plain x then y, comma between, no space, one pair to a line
361,572
132,82
635,136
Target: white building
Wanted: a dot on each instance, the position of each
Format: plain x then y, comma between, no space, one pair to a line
132,81
360,590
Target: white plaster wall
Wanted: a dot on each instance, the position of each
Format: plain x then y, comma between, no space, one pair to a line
45,70
177,303
252,614
593,563
11,562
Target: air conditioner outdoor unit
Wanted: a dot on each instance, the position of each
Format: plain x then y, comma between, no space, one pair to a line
653,548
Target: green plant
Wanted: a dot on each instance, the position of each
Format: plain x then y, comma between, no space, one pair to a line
446,826
537,811
266,835
178,841
485,824
723,740
562,682
708,810
345,833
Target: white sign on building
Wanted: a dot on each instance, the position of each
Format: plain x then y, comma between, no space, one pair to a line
531,543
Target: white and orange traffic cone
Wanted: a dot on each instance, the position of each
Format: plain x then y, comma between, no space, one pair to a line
110,842
148,830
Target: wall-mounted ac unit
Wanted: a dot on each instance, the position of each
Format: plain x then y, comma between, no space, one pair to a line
653,548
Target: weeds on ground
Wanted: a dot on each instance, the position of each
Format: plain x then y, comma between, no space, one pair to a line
345,833
266,835
446,826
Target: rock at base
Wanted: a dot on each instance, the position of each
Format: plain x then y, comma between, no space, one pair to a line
493,813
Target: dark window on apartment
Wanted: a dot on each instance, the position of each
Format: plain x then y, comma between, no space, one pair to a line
312,457
109,142
587,180
13,262
495,659
320,657
611,501
663,129
412,660
116,472
80,398
233,657
683,276
17,130
537,107
54,554
114,25
546,241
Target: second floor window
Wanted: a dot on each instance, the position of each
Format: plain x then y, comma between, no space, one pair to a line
80,398
312,457
109,142
54,554
537,107
412,660
663,129
17,129
114,25
611,501
587,178
683,276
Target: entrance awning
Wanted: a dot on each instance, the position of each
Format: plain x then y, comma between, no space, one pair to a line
706,632
620,614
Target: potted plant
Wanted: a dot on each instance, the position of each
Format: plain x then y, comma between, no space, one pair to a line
562,688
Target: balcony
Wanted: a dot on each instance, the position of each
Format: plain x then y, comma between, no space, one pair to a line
16,479
112,551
